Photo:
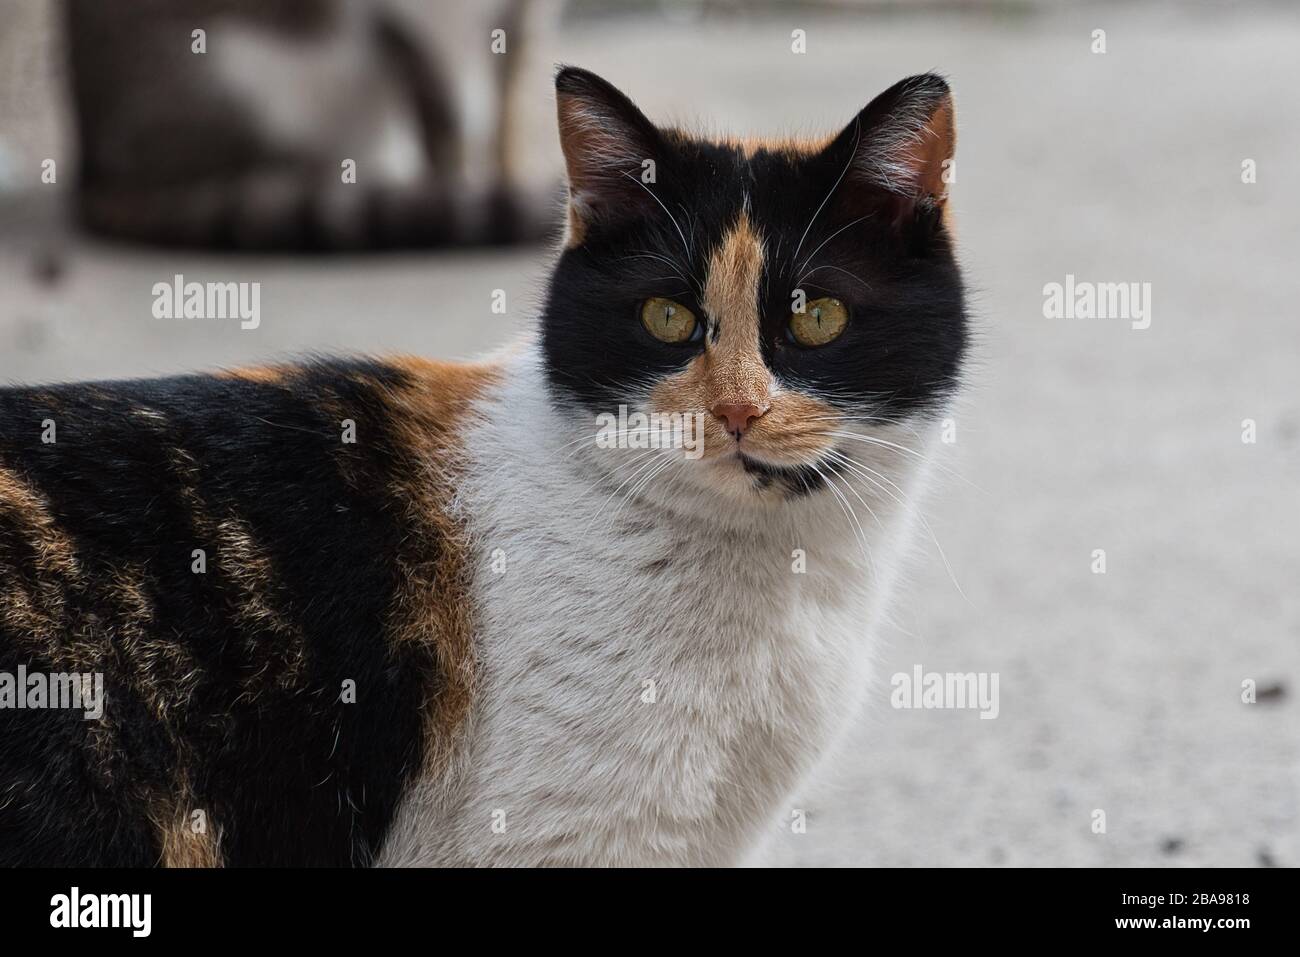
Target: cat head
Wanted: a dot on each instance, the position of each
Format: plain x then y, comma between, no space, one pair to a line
789,294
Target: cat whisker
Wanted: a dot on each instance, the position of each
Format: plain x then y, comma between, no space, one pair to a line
864,419
813,254
866,472
874,440
641,466
848,485
846,418
677,274
884,443
574,446
621,434
849,513
635,490
856,279
690,221
857,135
639,462
685,245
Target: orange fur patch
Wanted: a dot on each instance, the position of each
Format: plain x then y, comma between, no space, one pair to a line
575,230
731,300
182,842
433,608
795,147
35,613
938,143
266,375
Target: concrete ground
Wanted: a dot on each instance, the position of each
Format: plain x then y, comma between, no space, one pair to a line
1119,691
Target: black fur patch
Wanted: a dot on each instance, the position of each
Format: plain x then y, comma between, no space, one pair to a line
794,481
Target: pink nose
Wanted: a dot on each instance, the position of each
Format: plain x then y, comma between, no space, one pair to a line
737,415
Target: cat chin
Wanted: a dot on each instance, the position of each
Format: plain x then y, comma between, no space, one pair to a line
746,483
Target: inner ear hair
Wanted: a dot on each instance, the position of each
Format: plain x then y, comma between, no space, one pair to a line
903,140
605,140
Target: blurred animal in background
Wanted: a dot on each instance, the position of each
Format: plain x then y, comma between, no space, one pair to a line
306,124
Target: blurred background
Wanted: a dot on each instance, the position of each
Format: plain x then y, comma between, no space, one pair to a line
127,156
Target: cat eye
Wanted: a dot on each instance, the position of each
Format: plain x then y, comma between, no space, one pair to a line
668,321
820,322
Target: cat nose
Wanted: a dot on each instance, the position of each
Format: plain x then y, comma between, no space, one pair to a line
737,415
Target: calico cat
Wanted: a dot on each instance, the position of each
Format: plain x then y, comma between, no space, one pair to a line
402,612
237,139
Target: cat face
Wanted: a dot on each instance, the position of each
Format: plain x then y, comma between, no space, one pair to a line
791,294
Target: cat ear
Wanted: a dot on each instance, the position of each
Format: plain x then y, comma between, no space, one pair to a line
901,145
606,142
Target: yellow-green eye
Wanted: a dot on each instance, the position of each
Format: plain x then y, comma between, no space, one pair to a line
668,321
820,322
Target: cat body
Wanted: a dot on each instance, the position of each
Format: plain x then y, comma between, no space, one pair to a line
412,613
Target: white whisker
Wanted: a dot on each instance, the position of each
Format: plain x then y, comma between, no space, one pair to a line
857,135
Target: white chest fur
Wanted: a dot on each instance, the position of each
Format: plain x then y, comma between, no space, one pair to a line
655,680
